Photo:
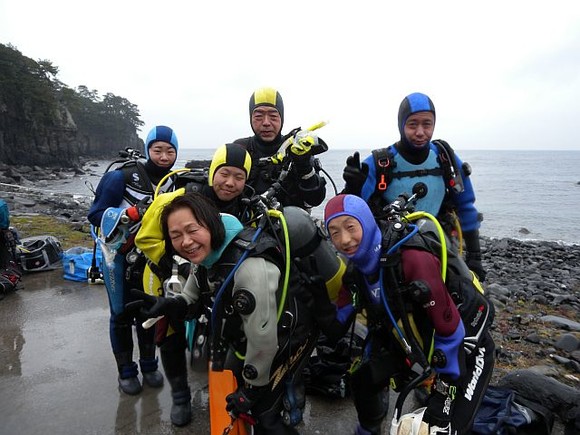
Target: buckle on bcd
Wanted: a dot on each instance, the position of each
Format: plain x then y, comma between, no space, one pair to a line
382,185
383,164
444,388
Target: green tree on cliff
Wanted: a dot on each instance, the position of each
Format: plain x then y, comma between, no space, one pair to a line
25,85
37,103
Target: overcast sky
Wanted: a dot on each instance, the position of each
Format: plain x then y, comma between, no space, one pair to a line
502,74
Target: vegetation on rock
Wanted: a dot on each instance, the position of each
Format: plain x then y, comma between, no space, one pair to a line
68,234
49,123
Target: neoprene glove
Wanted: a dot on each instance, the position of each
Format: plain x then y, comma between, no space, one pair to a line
439,412
354,174
243,399
301,151
174,307
132,309
302,143
473,254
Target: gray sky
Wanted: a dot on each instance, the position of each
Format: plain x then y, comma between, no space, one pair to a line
502,74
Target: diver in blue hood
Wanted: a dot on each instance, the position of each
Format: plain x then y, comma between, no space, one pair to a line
416,160
414,143
120,200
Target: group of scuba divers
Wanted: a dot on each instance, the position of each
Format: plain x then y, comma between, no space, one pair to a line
234,247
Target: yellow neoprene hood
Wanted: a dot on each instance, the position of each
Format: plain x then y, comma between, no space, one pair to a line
230,154
267,97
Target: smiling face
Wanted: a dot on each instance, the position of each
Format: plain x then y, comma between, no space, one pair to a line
266,123
346,233
162,154
189,238
419,128
229,182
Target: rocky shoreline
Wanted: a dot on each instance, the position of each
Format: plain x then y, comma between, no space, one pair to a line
27,190
534,285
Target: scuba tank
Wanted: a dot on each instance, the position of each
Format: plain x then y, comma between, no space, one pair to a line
312,251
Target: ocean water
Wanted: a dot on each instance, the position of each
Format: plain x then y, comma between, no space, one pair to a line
527,195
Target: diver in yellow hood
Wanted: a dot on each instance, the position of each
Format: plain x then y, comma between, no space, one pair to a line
303,185
225,186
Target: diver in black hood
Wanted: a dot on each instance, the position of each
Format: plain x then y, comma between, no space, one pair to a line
303,186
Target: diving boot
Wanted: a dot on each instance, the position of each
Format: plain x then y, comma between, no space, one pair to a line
362,431
181,407
128,381
293,401
153,379
130,386
151,376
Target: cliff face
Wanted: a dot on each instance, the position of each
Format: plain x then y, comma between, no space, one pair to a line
26,141
44,123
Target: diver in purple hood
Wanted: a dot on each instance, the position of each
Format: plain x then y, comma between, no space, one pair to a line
416,159
397,279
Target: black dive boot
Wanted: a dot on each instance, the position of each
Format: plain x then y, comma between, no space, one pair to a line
371,409
175,366
294,401
149,367
181,407
362,431
128,381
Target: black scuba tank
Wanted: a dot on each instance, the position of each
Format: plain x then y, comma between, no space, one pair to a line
312,250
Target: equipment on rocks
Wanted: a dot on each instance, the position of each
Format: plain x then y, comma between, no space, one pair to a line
10,272
40,253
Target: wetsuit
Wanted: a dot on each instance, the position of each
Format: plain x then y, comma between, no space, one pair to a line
449,319
410,165
303,186
274,348
114,190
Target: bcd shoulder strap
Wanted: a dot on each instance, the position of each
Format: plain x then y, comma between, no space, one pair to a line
266,246
384,167
136,177
385,163
448,162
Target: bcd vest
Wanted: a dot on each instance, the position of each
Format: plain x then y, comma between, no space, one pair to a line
441,174
212,279
137,183
475,310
